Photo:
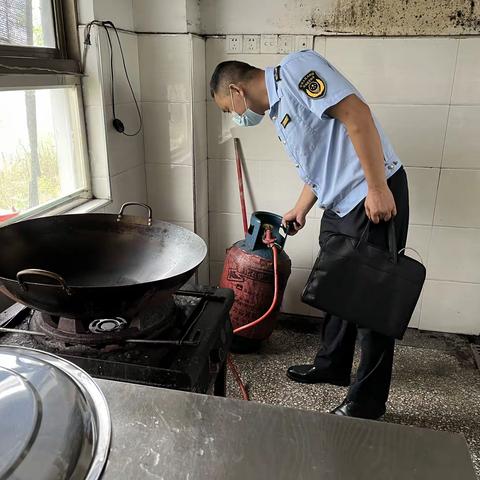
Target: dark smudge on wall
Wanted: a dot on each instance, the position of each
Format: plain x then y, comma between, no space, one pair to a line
398,17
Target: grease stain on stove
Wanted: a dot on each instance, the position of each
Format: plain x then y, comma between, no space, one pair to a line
397,17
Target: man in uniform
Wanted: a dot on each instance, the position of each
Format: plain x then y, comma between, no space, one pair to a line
350,168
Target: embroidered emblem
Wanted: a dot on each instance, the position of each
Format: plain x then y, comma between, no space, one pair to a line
313,85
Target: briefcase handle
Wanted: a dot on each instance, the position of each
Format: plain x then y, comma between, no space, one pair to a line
392,239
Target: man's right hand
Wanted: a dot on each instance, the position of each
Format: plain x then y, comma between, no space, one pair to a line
296,218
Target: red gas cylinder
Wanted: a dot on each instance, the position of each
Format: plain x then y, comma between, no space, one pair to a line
248,270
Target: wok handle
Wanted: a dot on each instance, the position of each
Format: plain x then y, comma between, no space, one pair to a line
144,205
42,273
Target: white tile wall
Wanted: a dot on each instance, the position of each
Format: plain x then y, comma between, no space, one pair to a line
128,186
165,63
199,59
466,89
130,50
193,16
200,130
259,143
458,207
455,254
116,161
124,152
419,239
422,184
170,191
462,142
118,11
417,132
201,188
168,132
160,16
202,229
101,187
451,307
223,191
397,70
291,300
92,82
277,187
320,45
97,141
175,130
225,229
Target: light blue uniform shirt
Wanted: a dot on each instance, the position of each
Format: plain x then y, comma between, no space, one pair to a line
300,90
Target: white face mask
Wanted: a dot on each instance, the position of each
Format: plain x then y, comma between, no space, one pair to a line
248,118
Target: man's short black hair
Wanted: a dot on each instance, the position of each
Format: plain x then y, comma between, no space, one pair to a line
227,73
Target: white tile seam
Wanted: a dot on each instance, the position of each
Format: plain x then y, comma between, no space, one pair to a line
192,140
455,226
117,104
168,164
126,170
385,104
140,102
166,102
446,280
419,167
448,115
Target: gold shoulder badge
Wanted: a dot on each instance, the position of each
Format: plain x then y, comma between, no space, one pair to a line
313,85
286,120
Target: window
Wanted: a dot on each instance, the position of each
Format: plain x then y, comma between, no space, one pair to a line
27,23
42,155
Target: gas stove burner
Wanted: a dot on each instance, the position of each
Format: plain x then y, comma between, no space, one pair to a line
180,343
107,325
66,334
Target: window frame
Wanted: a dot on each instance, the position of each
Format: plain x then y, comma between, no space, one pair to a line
65,57
57,67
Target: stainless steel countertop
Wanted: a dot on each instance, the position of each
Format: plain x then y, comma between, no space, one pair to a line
166,434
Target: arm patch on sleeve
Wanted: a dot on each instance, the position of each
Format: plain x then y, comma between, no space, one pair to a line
313,85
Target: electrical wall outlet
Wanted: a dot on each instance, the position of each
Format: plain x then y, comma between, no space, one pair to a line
234,44
251,44
303,42
268,43
286,44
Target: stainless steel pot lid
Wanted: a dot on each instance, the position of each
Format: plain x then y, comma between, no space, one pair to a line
55,422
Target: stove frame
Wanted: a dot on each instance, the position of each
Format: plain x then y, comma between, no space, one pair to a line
177,363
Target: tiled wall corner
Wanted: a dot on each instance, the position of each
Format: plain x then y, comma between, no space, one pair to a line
173,100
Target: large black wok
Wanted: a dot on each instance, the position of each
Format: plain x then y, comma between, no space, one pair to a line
92,266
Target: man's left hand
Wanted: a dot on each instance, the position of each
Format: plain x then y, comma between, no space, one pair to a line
380,204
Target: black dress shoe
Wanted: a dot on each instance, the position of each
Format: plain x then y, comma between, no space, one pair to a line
312,374
353,409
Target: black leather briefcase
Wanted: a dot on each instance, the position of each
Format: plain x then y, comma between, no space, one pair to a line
364,284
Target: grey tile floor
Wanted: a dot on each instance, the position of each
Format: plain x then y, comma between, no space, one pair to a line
435,382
